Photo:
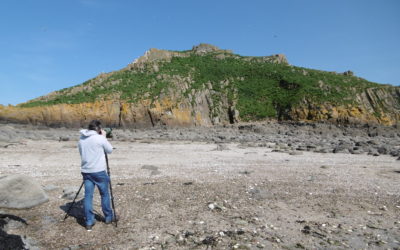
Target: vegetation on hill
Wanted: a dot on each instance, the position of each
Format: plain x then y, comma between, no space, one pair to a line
258,88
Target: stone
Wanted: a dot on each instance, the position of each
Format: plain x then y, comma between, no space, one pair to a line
205,48
310,178
348,73
356,151
361,144
180,239
373,142
47,220
323,150
340,149
301,148
214,206
63,138
20,191
382,150
69,193
373,152
395,153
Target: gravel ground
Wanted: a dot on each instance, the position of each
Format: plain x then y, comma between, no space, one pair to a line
197,194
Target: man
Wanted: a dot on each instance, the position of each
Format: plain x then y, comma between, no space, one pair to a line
92,146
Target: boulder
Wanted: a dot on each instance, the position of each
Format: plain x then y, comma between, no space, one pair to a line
20,191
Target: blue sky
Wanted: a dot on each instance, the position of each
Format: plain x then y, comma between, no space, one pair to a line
46,45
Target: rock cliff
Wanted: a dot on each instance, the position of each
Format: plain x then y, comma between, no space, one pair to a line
206,86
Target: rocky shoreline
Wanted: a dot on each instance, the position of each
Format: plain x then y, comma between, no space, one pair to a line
290,137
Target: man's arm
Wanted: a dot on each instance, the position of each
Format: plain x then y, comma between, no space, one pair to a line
107,146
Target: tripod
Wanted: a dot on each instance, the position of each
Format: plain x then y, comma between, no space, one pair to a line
111,193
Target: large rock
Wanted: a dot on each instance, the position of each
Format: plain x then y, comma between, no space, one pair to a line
20,191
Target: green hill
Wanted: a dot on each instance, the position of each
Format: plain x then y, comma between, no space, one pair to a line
247,88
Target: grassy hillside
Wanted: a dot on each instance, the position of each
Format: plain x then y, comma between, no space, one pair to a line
259,88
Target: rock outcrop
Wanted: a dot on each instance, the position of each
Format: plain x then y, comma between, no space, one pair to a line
374,105
208,86
116,114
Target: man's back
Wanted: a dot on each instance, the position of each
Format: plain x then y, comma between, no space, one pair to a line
92,147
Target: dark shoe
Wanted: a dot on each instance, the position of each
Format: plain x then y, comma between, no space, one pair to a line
89,227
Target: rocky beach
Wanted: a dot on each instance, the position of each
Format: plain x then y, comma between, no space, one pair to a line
291,185
232,124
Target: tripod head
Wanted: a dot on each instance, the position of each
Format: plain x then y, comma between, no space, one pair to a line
108,132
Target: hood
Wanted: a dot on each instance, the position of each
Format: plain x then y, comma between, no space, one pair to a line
86,132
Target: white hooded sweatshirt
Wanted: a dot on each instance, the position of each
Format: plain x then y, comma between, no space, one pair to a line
92,147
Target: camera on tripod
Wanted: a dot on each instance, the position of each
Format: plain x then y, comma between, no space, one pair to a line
108,132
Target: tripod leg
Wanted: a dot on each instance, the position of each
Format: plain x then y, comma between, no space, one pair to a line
111,193
113,206
73,202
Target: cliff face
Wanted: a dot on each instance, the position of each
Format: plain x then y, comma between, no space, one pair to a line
167,111
374,105
171,113
112,113
207,86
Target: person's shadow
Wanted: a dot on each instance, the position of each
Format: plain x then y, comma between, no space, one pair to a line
77,212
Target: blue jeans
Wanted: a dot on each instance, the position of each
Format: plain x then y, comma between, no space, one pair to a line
101,180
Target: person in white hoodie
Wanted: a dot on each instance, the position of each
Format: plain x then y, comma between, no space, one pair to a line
93,145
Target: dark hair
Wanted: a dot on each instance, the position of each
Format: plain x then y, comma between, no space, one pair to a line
95,125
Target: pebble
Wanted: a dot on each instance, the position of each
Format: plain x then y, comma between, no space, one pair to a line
179,238
211,206
310,178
